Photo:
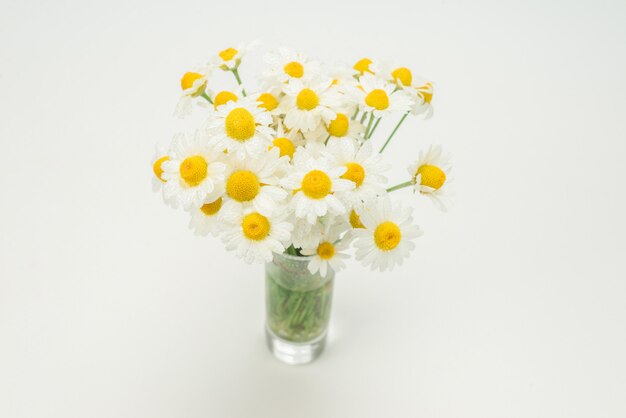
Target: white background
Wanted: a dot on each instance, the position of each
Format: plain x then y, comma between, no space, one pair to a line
513,304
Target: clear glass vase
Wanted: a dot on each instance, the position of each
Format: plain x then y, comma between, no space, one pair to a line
298,309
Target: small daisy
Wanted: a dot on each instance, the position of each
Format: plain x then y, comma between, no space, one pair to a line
255,236
193,84
194,172
287,65
423,106
314,183
269,100
241,127
230,58
287,141
254,182
159,157
363,66
206,219
376,95
329,252
306,106
386,239
363,168
226,96
430,173
338,128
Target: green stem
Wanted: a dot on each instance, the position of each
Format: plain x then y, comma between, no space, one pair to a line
369,125
235,72
363,117
400,186
356,112
394,131
374,128
206,96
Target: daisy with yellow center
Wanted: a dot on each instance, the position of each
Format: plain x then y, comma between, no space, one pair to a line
229,58
363,66
386,239
314,184
328,253
207,218
225,96
159,157
430,174
241,127
363,168
253,236
287,141
287,65
253,182
424,96
193,85
378,97
194,172
307,106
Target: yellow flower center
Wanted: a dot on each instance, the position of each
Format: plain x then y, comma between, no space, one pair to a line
326,250
307,99
240,124
285,146
294,69
377,99
403,75
193,170
228,54
188,79
316,184
210,209
427,92
267,101
387,236
158,170
224,97
363,65
339,126
243,185
432,176
355,220
255,226
355,173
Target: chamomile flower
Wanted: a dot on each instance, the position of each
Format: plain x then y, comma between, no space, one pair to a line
194,172
254,236
424,96
225,96
386,239
241,128
339,128
363,168
375,95
254,182
328,253
363,66
230,58
314,183
306,106
430,174
206,219
287,65
193,84
159,157
269,100
287,141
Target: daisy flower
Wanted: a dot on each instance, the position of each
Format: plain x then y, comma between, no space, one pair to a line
430,173
241,128
386,239
230,58
423,106
254,182
193,84
375,95
363,66
338,128
287,141
255,236
206,219
226,96
194,172
159,157
314,183
328,254
363,168
287,65
269,100
306,106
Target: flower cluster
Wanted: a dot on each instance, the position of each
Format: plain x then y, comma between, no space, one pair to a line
291,167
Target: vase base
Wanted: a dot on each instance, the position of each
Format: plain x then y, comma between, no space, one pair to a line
294,353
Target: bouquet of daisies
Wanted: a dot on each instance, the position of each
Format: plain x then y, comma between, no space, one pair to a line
291,167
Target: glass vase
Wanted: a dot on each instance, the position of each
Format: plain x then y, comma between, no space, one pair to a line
298,309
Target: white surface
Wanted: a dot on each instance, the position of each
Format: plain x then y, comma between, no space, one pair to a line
513,305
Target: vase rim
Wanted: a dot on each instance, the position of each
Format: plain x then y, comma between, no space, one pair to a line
294,257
